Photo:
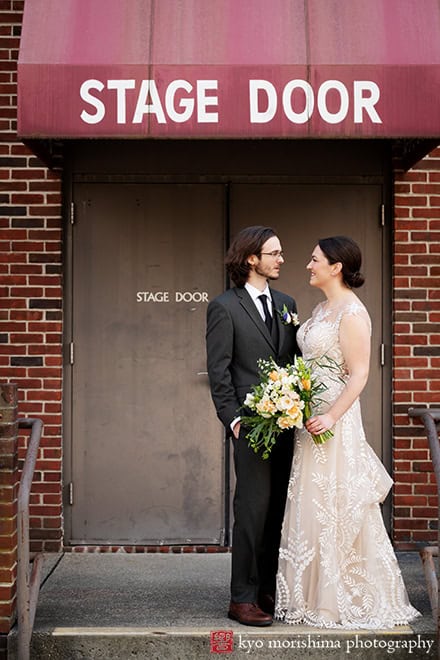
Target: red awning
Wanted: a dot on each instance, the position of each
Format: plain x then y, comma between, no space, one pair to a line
230,68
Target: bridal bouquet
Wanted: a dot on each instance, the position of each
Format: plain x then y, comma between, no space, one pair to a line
282,400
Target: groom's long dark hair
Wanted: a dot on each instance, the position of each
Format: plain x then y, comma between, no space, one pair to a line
248,241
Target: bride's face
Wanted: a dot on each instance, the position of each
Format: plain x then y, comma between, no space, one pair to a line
321,272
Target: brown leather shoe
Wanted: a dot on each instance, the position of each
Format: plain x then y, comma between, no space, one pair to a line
267,603
249,614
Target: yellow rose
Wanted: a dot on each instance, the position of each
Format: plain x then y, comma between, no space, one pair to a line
274,375
305,382
295,413
266,407
285,422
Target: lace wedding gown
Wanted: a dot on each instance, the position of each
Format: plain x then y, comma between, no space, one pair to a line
337,567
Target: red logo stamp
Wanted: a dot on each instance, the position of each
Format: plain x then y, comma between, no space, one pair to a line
222,641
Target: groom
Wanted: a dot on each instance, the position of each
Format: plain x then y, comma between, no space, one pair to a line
243,325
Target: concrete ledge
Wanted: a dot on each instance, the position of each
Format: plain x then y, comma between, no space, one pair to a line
111,644
121,606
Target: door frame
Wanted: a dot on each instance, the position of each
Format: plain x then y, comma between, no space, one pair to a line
72,178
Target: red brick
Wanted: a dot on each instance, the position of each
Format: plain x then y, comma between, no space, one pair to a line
402,397
427,397
419,443
411,200
414,224
426,188
26,338
426,213
411,454
402,466
419,340
403,188
425,512
424,282
425,536
42,395
52,523
427,259
409,477
405,523
422,306
52,477
44,210
27,198
411,362
415,270
47,511
26,315
401,489
402,443
400,236
401,259
401,212
427,373
428,489
411,248
403,305
401,282
422,466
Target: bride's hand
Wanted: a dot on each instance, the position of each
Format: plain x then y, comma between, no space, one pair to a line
320,424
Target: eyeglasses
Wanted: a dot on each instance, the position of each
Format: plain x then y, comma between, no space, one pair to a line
276,254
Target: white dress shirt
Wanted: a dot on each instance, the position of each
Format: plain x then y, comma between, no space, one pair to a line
254,293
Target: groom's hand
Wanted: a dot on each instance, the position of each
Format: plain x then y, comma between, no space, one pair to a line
236,430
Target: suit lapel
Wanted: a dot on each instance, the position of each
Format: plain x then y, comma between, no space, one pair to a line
248,304
276,309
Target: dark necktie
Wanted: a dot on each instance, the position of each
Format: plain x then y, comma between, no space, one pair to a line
267,316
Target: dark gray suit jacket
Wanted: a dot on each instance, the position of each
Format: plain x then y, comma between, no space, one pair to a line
236,338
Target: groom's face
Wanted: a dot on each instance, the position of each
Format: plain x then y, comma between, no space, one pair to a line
268,262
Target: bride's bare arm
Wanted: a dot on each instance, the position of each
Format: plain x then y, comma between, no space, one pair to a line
354,337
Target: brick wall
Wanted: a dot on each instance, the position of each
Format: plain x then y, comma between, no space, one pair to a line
8,507
31,313
416,376
30,288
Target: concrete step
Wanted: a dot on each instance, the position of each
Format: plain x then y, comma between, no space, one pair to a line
160,606
190,644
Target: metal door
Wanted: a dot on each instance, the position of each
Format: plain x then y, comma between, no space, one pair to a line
146,455
301,214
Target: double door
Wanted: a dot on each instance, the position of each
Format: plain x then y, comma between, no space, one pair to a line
145,453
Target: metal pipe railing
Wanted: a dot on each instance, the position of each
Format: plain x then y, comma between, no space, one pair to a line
28,582
431,419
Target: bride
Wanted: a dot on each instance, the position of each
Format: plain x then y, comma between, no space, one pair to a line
337,567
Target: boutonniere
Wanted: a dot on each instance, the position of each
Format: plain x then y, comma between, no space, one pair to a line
288,317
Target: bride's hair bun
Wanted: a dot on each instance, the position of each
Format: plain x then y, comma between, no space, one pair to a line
344,250
354,280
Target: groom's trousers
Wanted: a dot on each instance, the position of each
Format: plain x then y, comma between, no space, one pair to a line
259,503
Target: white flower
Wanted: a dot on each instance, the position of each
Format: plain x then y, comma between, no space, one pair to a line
284,402
249,400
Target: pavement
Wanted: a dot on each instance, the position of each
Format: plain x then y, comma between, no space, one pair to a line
162,606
